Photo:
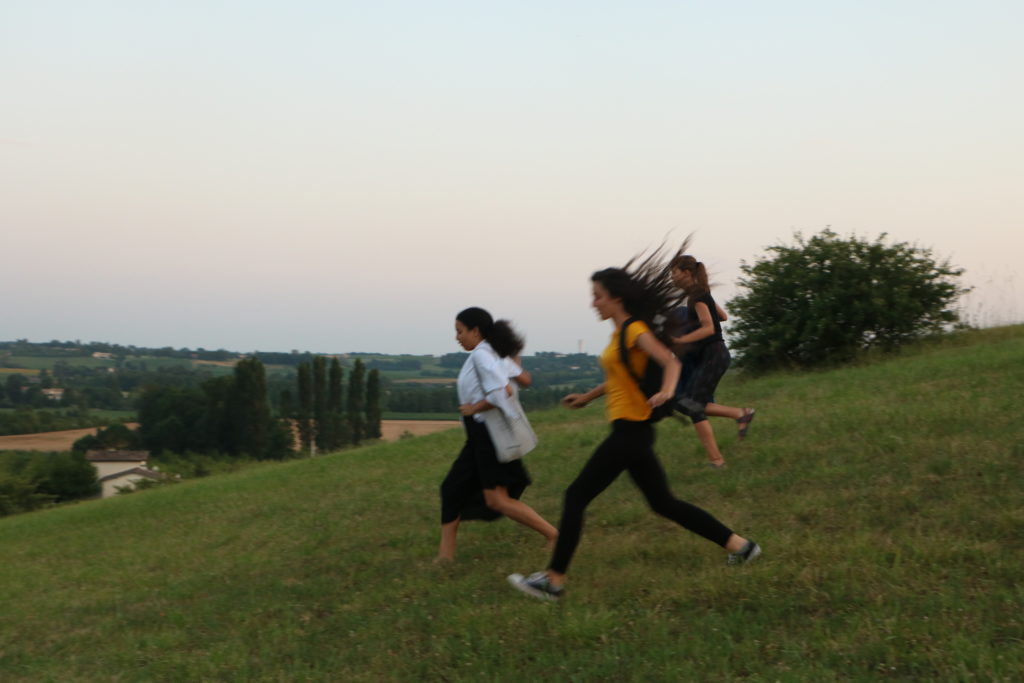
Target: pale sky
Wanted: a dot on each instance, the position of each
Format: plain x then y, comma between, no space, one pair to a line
337,176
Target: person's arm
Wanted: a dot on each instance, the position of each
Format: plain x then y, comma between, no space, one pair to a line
474,408
524,378
671,366
706,329
721,313
581,400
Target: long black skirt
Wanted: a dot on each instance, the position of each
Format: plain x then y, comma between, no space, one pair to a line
477,468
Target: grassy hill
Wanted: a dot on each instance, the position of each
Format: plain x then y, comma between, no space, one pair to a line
887,497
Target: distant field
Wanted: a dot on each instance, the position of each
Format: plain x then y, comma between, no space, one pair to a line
391,430
47,441
19,371
218,363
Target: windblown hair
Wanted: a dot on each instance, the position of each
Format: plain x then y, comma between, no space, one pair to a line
645,286
500,335
689,263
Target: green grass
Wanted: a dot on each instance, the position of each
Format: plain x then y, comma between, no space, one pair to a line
887,497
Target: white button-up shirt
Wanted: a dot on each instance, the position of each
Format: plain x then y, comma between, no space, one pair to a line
484,376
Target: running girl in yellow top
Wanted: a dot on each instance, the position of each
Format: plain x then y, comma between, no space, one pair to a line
619,295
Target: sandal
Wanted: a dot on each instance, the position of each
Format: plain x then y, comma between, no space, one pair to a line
744,422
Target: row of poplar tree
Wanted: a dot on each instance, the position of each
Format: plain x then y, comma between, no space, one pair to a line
326,415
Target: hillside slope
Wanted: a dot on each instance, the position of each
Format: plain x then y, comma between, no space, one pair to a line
887,497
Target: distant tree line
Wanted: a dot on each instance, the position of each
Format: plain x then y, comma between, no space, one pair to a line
120,383
78,349
554,375
29,421
328,413
227,415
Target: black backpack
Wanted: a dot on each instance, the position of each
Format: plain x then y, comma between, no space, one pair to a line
650,383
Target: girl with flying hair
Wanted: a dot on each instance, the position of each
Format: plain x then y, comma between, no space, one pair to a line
705,355
637,298
477,485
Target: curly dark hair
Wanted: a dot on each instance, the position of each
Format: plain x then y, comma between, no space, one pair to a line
500,335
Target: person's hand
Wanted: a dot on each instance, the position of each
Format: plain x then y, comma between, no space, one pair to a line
467,409
659,398
508,389
574,401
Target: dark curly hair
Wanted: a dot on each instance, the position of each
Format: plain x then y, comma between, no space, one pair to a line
499,334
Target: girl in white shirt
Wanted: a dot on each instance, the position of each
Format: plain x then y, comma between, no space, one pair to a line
477,485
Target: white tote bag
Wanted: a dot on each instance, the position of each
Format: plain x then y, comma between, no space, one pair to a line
513,437
510,431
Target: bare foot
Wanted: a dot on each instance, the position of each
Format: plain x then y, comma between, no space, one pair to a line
443,560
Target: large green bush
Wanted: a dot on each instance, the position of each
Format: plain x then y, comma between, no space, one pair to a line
828,298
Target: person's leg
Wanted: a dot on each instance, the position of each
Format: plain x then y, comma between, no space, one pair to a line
456,490
649,476
498,500
601,470
713,364
717,410
706,434
446,551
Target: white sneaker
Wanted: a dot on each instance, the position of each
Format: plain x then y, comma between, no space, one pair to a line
536,585
750,552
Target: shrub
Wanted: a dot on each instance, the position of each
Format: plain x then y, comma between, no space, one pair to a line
826,299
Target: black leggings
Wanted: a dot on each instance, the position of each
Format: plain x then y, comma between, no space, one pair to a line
630,447
709,364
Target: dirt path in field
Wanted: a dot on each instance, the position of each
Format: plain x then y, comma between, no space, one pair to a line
48,441
393,429
61,441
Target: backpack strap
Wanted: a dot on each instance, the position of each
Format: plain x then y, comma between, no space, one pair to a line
624,352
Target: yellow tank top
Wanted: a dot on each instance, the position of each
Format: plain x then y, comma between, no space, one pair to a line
623,398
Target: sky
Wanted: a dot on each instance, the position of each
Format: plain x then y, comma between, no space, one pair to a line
336,176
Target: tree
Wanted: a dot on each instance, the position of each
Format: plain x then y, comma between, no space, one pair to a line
323,429
13,387
336,424
453,360
373,410
305,413
252,429
286,409
172,419
116,436
826,299
357,402
67,476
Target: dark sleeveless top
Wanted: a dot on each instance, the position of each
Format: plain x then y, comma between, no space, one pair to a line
694,321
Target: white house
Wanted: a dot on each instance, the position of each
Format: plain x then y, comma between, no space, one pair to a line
53,394
119,469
